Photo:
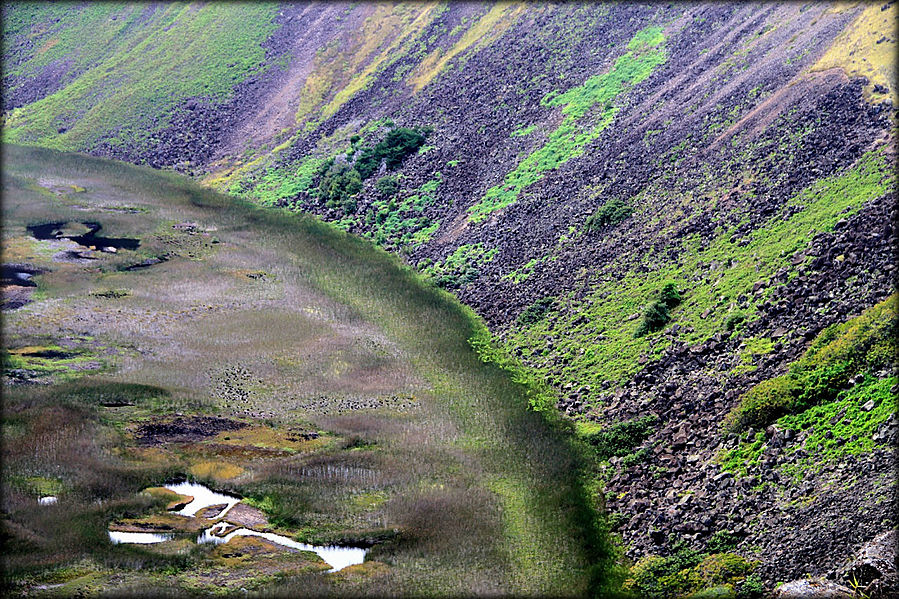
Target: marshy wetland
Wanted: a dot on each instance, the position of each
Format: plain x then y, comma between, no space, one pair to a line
332,397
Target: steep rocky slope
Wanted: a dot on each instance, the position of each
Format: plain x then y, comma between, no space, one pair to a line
575,159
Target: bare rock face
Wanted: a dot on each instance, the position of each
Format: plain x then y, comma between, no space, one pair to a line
873,569
812,588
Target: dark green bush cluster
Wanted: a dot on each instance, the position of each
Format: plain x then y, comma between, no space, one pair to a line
722,540
397,144
621,438
687,572
338,187
609,214
863,344
387,186
339,182
535,312
658,313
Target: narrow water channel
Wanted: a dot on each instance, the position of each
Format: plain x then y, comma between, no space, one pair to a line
336,556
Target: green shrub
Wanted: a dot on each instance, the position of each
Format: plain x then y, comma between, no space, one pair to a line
722,540
609,214
387,186
535,312
620,438
339,186
751,588
657,577
733,321
724,568
689,573
764,403
658,313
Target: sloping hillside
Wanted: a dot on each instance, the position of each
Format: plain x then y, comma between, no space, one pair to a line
658,207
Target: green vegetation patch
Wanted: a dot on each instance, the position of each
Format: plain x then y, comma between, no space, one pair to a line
523,272
716,275
658,313
461,267
863,344
579,126
137,75
619,439
535,312
401,222
521,132
833,430
610,214
285,183
687,572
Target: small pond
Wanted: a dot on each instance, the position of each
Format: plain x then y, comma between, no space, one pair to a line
19,275
143,538
55,231
336,556
203,497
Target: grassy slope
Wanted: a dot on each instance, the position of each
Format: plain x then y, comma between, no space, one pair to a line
726,269
473,417
136,73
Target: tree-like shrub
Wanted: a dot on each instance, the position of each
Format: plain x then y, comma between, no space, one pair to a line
393,149
387,186
658,313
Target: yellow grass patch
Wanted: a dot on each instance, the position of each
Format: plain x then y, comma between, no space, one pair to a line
266,437
390,23
361,571
216,470
858,52
482,32
26,249
174,499
47,45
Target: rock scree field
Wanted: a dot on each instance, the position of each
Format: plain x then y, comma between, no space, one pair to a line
521,298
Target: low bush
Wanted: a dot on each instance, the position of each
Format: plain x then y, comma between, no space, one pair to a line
387,186
722,540
765,403
621,438
339,186
733,321
535,312
689,573
609,214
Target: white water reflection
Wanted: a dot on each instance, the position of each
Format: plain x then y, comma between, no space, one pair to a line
203,497
335,556
143,538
